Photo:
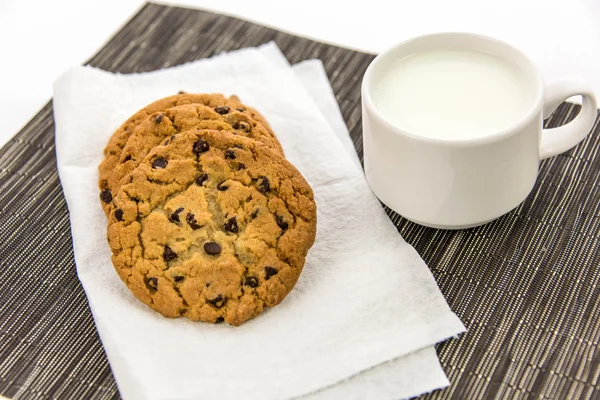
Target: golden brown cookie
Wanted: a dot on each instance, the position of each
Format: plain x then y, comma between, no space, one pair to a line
212,227
131,142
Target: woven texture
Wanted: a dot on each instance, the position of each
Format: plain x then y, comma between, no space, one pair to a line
527,285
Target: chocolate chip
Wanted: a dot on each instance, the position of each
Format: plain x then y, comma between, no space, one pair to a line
151,283
201,147
264,186
158,119
127,158
269,272
159,163
201,179
119,214
212,248
241,166
169,254
218,301
179,278
231,225
106,195
230,154
241,109
207,284
249,198
251,281
222,187
222,109
181,92
191,220
281,223
219,320
243,126
175,215
255,214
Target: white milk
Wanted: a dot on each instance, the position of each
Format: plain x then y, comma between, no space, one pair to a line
453,94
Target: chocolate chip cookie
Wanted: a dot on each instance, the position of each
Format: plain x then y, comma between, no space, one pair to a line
148,127
212,226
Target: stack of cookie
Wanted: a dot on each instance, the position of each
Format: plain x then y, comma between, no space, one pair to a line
206,218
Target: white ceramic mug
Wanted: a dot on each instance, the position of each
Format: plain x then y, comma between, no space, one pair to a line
457,184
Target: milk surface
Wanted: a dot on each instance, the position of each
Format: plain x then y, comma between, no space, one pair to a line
453,94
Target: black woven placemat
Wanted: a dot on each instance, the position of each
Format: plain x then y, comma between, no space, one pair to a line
527,285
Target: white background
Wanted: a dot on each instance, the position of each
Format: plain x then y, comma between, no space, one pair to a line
563,37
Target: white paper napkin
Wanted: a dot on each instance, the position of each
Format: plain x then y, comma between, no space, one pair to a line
365,296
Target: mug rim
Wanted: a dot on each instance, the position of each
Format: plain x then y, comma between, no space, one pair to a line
534,108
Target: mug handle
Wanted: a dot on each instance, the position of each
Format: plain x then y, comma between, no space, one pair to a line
561,139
